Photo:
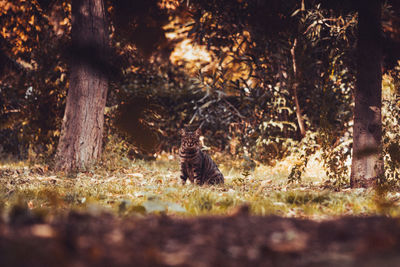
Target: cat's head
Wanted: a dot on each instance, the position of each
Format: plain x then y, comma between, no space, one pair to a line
190,140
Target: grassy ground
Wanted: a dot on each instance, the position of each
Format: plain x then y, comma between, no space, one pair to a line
141,188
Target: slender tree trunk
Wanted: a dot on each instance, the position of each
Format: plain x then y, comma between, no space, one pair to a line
82,127
367,163
300,120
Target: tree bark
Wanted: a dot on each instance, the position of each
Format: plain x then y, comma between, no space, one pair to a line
82,127
367,163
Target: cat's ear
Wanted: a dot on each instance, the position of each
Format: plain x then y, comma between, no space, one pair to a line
198,131
182,132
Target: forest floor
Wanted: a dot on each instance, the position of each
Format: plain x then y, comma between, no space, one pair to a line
140,213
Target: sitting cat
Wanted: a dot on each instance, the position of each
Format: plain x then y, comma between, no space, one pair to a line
196,164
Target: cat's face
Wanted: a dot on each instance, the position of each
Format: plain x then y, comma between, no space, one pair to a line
190,140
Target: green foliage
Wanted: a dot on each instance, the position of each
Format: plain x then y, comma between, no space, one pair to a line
334,154
390,124
33,80
116,151
330,80
250,93
303,151
337,162
256,118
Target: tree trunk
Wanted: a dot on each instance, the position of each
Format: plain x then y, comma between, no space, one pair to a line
367,163
82,127
300,120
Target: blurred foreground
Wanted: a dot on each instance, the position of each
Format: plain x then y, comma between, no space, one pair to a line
81,239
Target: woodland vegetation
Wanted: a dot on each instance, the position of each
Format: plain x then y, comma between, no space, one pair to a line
298,102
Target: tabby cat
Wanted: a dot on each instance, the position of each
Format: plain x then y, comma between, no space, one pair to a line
195,164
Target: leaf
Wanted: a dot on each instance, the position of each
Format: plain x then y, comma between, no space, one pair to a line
32,20
295,12
141,194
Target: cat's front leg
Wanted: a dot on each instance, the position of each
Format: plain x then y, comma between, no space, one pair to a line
184,174
184,178
198,176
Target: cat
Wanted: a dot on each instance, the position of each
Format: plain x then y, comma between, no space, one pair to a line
196,164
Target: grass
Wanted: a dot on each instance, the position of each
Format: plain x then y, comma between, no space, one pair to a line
141,188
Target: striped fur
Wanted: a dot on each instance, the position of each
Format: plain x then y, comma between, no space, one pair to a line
195,164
